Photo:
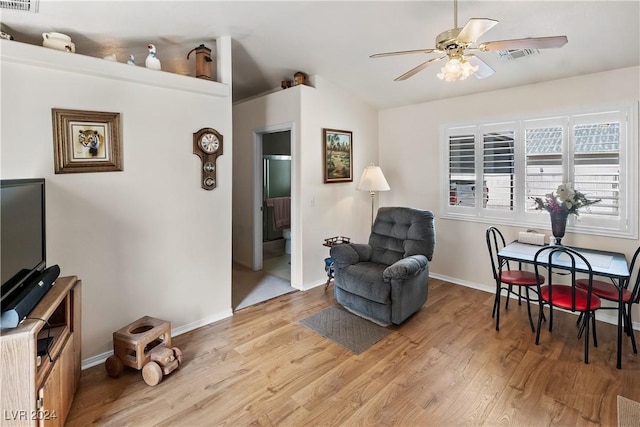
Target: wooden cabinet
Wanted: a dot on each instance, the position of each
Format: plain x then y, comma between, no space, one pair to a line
39,389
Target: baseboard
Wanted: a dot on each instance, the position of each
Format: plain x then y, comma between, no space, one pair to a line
607,316
478,286
310,286
243,263
100,358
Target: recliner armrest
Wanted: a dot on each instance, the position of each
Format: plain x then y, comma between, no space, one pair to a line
406,267
350,253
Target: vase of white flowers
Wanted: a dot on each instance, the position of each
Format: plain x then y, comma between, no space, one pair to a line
566,200
558,224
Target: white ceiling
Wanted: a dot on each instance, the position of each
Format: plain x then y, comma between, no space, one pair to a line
273,40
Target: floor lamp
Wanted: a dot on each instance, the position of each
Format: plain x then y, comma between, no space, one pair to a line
373,180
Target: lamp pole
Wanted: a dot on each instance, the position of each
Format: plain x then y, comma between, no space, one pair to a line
373,195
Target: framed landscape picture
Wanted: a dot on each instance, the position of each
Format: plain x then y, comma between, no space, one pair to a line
338,155
86,141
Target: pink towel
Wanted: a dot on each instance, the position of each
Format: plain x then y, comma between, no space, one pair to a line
281,212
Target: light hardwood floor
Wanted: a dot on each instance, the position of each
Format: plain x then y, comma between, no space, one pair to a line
445,366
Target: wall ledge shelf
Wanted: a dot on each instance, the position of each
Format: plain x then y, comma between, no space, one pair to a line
38,56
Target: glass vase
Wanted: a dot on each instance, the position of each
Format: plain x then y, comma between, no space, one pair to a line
558,225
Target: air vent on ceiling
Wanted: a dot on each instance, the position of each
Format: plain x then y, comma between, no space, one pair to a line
509,55
24,5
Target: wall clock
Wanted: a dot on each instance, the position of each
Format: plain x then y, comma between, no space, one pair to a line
207,144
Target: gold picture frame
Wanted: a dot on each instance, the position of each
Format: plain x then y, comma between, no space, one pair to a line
337,155
86,141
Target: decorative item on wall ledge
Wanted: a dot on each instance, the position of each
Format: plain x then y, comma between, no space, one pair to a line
207,144
152,62
299,78
338,152
203,62
58,41
86,141
566,200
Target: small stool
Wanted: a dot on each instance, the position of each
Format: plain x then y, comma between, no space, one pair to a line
328,262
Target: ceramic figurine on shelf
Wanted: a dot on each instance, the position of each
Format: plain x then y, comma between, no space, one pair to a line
58,41
152,60
299,78
131,60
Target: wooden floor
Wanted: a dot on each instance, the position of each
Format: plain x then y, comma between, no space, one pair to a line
445,366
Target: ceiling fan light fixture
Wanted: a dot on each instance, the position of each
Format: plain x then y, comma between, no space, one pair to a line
457,42
457,69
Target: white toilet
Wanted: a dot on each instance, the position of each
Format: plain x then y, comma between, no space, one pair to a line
286,233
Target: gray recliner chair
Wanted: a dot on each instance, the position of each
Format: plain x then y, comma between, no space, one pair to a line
386,280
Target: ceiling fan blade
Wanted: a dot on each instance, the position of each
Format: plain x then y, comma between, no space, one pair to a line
528,43
403,52
475,28
417,69
484,70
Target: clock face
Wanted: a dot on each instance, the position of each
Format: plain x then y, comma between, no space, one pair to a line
209,143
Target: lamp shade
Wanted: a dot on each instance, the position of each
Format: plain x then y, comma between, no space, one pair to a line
373,179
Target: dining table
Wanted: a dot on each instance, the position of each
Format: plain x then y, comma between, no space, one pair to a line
612,265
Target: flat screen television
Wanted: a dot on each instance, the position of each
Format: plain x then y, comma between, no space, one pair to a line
22,235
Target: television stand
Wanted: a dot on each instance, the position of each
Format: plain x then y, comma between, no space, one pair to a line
39,389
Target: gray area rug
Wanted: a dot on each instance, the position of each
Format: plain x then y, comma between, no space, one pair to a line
350,331
628,412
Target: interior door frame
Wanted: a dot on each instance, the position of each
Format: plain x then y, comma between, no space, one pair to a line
258,195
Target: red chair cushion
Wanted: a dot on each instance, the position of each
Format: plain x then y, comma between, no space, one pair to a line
520,278
562,298
606,290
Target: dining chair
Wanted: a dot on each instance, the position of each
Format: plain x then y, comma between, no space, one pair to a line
610,292
566,296
506,277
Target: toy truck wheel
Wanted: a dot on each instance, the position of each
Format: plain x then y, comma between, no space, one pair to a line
178,354
152,373
113,366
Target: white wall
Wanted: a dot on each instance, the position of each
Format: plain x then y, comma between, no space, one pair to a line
409,153
147,240
265,113
336,209
318,210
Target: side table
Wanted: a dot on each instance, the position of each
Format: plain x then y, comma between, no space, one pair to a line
328,262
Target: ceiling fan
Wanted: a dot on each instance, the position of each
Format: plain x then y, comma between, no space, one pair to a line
457,42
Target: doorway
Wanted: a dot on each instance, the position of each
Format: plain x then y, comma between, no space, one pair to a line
276,204
270,276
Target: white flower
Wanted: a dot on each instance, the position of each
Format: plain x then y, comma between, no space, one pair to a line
566,192
565,199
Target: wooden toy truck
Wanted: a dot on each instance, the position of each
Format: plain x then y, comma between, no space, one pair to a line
144,344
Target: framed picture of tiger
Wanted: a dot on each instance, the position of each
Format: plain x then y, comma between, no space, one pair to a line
86,141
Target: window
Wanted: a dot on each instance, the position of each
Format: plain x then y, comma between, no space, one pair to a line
462,170
494,170
498,160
